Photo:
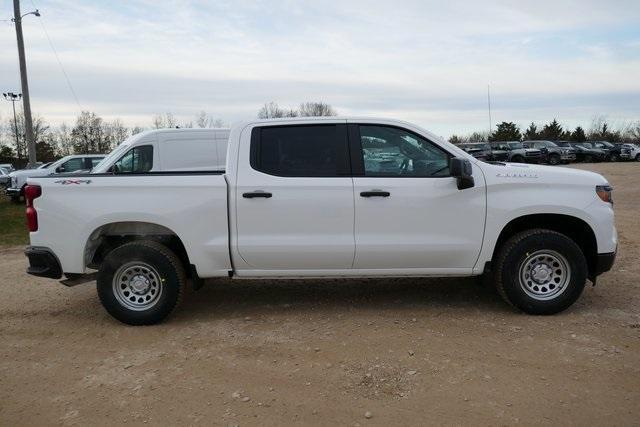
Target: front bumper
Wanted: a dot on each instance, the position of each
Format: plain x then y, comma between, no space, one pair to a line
13,192
43,262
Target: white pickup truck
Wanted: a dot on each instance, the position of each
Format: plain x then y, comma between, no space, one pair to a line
324,197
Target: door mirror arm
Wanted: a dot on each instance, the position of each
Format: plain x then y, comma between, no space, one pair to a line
462,170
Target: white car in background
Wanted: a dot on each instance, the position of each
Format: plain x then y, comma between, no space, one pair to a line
630,152
67,164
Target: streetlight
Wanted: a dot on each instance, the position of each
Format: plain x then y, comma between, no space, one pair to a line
28,124
13,97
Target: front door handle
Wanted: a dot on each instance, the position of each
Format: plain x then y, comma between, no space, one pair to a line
255,194
375,193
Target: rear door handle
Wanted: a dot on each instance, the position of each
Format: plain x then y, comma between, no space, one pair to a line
375,193
255,194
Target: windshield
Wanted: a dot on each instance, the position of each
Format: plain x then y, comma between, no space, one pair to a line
114,154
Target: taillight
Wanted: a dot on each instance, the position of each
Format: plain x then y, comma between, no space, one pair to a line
32,192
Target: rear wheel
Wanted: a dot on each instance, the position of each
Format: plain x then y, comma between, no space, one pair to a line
614,157
540,271
517,159
638,158
588,158
554,159
141,282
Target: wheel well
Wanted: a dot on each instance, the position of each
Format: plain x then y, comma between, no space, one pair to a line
109,236
572,227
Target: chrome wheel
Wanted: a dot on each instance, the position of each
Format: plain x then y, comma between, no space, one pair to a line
544,275
137,286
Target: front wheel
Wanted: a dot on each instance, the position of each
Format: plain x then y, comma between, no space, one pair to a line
517,159
540,271
141,282
614,158
638,158
554,159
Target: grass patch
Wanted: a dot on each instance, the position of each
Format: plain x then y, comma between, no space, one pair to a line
13,228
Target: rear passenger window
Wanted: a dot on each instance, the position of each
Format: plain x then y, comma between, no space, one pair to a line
137,160
300,151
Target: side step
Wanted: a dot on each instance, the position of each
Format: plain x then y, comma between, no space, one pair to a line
79,279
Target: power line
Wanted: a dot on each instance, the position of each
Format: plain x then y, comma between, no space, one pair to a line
55,52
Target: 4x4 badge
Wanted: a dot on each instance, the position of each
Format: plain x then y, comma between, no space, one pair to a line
73,181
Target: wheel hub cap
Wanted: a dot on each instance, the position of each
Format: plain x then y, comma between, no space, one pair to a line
544,274
137,286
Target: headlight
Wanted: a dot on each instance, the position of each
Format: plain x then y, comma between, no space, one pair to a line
605,192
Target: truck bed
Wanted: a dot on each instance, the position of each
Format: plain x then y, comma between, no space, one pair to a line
75,208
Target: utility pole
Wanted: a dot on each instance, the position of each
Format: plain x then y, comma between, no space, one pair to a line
13,97
28,124
489,102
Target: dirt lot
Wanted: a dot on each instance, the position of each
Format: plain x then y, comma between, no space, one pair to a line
403,352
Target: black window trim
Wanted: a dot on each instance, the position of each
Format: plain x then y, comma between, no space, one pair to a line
357,155
341,128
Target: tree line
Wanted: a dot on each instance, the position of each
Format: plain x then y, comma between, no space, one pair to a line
600,130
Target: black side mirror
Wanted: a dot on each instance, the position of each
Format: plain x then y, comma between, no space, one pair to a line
463,171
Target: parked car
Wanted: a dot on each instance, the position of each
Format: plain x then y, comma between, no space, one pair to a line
66,164
514,151
4,177
630,152
479,150
552,153
613,150
586,152
169,150
299,198
7,166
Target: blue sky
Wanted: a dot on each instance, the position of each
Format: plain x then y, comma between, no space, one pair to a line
428,62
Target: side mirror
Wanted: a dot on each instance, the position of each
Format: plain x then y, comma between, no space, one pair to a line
462,170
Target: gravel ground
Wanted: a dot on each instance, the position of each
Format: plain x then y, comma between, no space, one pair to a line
367,352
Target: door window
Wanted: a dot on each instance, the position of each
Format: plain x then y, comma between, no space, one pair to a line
390,152
137,160
300,151
72,165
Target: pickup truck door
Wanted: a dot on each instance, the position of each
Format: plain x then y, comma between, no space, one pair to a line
294,199
409,213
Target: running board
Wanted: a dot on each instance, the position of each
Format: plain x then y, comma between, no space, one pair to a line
79,279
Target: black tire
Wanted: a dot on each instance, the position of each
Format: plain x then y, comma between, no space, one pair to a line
554,159
614,158
517,159
509,268
588,158
158,268
15,199
638,158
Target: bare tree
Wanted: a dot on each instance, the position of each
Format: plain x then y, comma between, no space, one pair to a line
64,141
316,109
272,110
166,120
40,128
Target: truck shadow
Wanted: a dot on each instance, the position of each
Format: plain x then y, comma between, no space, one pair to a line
227,298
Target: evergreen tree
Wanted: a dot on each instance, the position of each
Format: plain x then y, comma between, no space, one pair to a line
531,134
507,131
578,135
552,132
